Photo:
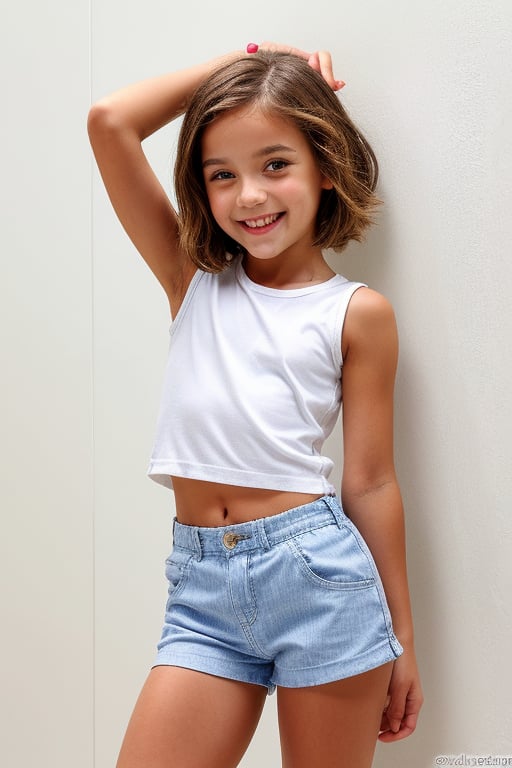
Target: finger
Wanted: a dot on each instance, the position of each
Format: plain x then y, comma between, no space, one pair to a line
321,61
327,71
314,62
394,716
281,48
325,60
407,727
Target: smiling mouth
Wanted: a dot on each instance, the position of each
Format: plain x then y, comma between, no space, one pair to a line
262,221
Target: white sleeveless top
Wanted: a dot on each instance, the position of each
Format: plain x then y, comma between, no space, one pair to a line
252,386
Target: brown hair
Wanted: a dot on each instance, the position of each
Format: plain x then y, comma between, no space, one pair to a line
285,85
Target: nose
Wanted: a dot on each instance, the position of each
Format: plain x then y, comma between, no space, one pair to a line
251,193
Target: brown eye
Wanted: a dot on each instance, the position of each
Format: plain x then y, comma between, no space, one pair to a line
221,175
277,165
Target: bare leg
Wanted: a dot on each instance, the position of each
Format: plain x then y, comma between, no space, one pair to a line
333,725
191,720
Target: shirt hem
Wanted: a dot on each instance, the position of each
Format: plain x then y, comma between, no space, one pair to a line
160,472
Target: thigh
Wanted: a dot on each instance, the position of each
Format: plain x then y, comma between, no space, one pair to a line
192,720
333,725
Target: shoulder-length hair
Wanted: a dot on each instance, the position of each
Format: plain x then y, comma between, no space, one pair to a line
286,86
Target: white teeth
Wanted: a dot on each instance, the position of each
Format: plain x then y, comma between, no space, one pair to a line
253,223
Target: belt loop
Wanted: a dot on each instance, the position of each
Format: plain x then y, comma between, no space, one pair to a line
197,542
335,507
262,534
173,527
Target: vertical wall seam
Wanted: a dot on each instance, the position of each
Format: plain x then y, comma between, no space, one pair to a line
93,409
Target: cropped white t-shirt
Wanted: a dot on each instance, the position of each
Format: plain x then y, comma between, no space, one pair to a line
252,386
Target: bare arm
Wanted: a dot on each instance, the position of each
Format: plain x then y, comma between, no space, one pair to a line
371,496
117,125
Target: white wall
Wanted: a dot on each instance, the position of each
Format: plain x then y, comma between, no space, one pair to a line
84,339
46,559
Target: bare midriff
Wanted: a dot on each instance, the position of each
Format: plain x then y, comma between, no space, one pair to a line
199,502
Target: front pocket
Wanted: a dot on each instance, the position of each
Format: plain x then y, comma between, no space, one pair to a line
332,558
177,567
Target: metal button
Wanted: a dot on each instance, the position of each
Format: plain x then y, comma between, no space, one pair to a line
231,540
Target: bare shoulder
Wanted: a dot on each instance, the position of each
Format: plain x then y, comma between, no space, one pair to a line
370,323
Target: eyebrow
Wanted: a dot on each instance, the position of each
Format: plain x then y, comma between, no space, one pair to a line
263,152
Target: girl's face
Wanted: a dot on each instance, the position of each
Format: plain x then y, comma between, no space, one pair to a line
262,182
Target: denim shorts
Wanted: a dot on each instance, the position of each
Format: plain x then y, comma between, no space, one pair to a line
293,599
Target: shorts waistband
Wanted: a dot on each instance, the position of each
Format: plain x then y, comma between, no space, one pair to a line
262,533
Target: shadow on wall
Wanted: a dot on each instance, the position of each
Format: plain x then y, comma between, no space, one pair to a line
378,263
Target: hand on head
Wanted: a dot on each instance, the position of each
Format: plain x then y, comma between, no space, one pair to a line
320,61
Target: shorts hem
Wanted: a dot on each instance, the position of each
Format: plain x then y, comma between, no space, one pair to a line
211,666
336,670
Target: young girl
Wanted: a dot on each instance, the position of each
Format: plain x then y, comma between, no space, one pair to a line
271,580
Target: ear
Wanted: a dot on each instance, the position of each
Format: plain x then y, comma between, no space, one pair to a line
326,183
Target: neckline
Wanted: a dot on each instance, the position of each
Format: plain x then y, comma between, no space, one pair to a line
246,281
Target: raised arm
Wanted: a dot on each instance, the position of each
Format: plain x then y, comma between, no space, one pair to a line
117,125
370,492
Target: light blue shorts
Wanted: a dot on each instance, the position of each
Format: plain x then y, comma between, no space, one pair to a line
293,599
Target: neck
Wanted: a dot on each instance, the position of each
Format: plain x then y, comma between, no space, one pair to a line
281,272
